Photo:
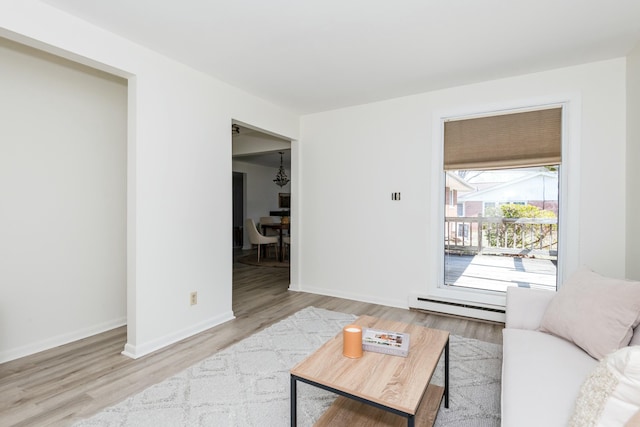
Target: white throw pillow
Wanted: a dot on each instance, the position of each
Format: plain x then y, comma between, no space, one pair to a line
610,396
594,312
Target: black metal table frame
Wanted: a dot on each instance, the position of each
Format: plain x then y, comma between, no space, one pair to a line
410,417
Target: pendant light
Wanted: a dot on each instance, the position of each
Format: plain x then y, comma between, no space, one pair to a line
281,176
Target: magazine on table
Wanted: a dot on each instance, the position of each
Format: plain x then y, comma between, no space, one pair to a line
387,342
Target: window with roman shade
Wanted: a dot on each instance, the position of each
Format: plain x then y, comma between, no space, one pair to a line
509,164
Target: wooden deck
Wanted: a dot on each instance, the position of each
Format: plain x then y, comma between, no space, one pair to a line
496,273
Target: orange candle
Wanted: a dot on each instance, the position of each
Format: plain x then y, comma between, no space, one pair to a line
352,341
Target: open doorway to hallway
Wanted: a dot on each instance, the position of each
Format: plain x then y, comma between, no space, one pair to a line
261,167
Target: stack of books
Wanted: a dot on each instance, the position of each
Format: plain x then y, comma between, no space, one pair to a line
393,343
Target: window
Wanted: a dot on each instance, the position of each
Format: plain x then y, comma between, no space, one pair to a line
508,235
488,207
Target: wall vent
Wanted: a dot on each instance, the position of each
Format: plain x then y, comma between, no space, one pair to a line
495,313
457,304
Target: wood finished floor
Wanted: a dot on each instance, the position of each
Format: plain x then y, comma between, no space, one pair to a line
74,381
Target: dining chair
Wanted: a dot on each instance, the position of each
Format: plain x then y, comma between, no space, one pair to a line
256,238
286,243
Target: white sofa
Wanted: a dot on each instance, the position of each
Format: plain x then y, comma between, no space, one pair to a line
541,373
585,367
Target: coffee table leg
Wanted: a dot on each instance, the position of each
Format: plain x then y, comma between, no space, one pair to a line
294,415
446,375
411,421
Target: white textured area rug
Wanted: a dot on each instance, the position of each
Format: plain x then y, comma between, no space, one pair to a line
248,383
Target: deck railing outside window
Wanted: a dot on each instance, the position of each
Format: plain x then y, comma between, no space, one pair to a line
496,235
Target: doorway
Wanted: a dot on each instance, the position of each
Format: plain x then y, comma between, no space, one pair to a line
258,159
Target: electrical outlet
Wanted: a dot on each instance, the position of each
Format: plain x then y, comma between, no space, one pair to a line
193,298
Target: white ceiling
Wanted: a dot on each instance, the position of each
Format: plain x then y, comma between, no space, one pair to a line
271,159
317,55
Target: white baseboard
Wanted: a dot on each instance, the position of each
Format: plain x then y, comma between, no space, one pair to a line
62,339
294,287
136,351
399,303
459,308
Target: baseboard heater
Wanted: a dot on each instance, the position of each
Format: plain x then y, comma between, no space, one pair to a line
462,309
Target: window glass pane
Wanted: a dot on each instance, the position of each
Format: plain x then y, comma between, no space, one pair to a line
508,235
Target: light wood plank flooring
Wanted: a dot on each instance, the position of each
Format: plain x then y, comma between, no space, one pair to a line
71,382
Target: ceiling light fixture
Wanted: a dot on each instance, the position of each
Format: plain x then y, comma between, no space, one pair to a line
281,176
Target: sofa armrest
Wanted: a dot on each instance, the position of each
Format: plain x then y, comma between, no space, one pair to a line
526,307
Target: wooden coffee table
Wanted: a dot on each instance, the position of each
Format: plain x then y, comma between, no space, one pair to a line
378,389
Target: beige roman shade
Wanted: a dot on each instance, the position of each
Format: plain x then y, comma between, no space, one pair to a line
532,138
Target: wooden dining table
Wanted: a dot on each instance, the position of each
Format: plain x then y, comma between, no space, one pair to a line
280,227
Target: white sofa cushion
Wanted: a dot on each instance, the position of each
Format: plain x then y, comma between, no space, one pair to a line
541,377
526,307
595,312
610,396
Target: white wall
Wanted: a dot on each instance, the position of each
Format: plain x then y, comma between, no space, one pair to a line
63,215
261,191
179,172
357,243
633,160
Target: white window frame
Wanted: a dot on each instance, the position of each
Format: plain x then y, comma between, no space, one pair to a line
568,248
